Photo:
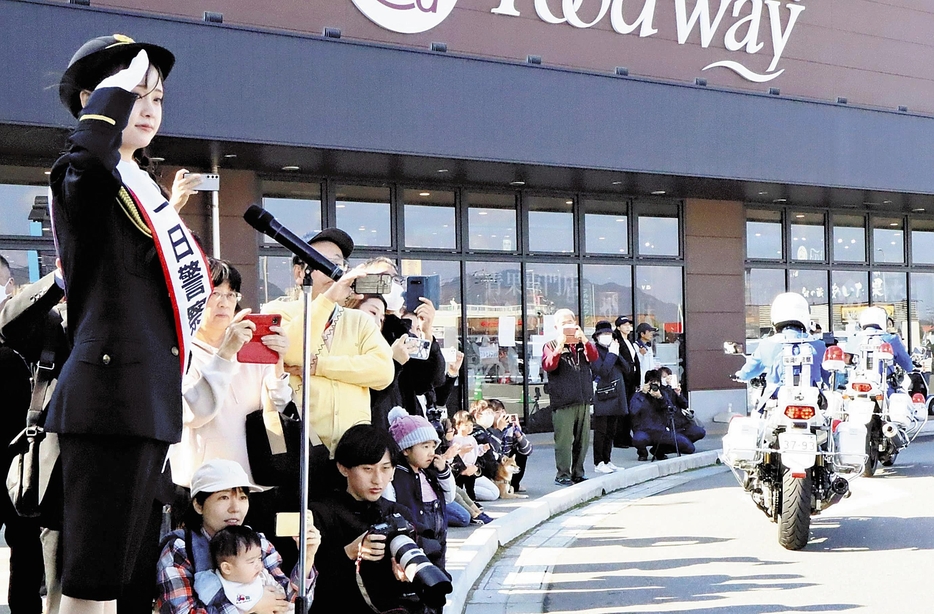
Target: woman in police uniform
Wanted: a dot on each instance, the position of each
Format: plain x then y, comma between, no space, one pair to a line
135,281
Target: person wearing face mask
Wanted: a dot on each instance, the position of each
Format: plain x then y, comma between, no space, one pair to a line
610,403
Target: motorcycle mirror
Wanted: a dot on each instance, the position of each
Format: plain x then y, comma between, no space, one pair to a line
732,348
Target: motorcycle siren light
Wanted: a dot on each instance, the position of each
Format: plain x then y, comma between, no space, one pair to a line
861,387
800,412
833,359
917,398
885,352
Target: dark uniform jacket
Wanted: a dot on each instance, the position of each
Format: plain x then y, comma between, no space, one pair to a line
123,376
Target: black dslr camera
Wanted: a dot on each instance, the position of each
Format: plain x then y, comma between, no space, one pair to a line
431,583
654,387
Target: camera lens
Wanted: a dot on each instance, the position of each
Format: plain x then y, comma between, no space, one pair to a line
430,581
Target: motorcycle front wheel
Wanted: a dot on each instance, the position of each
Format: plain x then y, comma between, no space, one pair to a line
794,525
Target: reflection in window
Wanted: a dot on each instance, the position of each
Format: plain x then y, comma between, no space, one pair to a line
363,212
658,232
448,312
300,215
890,291
549,287
849,292
28,266
660,302
275,277
849,238
763,235
607,294
494,336
606,227
922,241
807,236
922,304
22,208
888,240
812,285
429,219
551,224
491,221
762,286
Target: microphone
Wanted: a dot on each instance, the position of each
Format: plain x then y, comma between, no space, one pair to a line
263,221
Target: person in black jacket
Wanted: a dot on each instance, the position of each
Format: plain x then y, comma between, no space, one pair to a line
365,457
652,416
136,282
567,361
610,402
684,418
629,362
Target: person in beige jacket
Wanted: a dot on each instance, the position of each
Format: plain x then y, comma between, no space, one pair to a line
349,355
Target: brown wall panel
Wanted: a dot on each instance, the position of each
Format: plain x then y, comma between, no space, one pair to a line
874,53
714,303
239,190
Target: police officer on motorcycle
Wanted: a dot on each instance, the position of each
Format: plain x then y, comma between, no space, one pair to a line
872,321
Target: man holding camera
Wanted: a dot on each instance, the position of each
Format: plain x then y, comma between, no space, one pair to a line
567,360
684,416
654,423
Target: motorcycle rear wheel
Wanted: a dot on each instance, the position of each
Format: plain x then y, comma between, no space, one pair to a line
873,436
794,525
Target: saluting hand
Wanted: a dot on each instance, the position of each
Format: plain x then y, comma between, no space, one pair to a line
129,77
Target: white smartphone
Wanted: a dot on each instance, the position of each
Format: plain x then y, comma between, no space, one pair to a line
210,182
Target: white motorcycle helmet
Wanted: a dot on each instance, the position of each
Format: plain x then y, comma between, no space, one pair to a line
790,308
873,316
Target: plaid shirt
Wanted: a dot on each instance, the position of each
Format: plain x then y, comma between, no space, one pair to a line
176,579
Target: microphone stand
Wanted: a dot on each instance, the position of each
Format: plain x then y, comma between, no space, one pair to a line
302,602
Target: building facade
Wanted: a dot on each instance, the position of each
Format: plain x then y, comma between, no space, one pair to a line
680,161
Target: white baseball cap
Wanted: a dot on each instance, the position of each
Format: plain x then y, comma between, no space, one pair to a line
221,474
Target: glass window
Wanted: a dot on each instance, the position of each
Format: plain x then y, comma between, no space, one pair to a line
494,332
849,238
890,291
660,302
275,277
300,215
922,310
28,266
447,324
807,236
849,292
549,287
762,286
606,227
429,219
763,235
658,231
922,241
812,285
491,221
607,294
363,212
888,240
551,224
23,209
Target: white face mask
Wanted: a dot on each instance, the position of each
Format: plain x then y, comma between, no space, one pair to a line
485,420
6,290
394,300
605,340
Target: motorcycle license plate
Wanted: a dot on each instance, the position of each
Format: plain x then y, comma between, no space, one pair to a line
797,442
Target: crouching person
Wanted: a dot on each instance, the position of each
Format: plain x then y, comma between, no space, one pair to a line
364,536
684,416
652,416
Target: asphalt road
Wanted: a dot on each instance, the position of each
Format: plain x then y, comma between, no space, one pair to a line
696,543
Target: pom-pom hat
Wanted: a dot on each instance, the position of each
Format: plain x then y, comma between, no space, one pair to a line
97,58
409,430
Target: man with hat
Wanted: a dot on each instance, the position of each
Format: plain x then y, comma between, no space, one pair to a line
349,354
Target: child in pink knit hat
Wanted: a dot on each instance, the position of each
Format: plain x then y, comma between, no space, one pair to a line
423,482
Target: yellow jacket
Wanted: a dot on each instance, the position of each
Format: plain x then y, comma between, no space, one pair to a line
358,359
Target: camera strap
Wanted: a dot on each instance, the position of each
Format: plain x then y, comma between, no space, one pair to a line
360,585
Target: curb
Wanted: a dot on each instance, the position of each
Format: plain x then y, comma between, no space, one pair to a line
472,558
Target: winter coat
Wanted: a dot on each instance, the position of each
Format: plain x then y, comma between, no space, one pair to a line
609,368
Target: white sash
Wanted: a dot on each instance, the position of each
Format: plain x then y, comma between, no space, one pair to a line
186,270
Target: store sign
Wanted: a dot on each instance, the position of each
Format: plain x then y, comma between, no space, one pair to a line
406,16
740,23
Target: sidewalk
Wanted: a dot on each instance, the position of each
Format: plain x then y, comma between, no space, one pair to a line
470,549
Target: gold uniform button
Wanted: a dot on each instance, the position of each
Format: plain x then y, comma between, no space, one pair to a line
105,359
174,351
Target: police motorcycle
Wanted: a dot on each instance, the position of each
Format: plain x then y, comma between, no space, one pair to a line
786,454
890,402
